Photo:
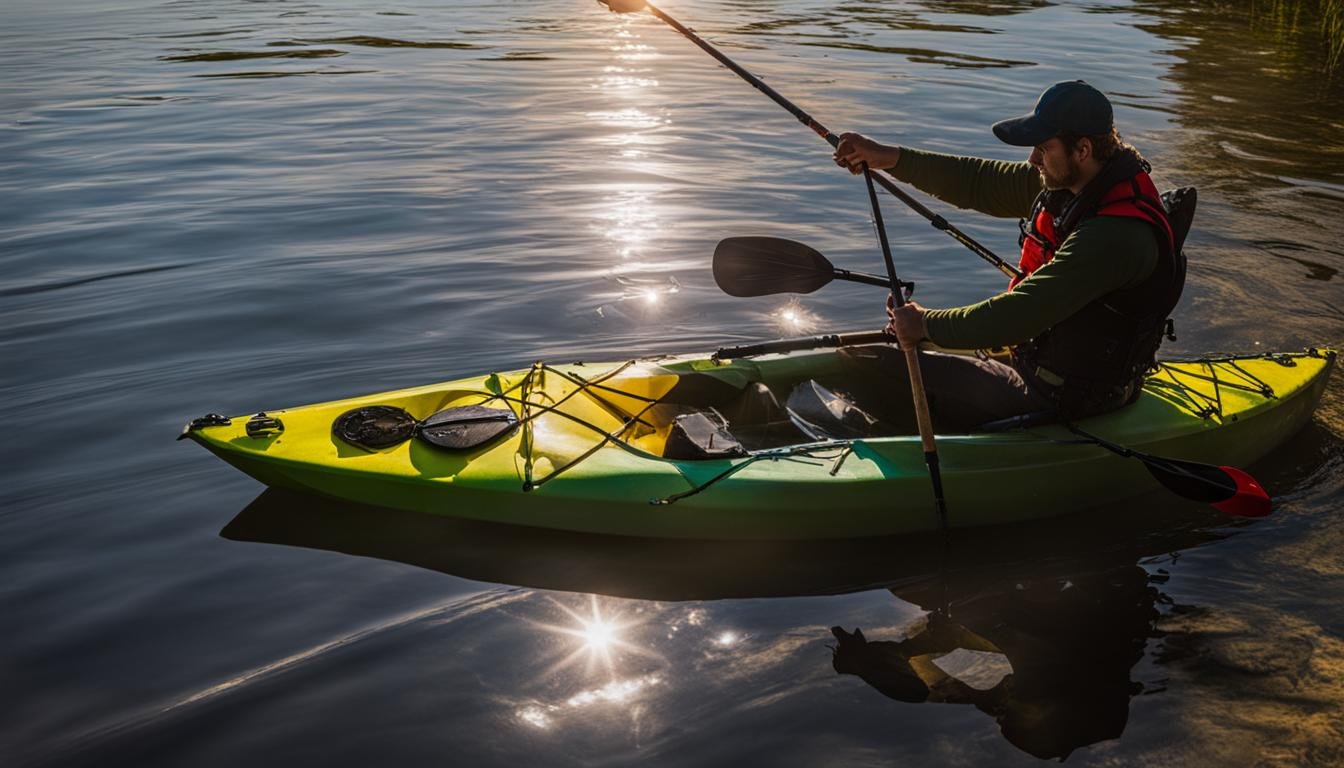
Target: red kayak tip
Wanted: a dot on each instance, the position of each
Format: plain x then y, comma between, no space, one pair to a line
1249,500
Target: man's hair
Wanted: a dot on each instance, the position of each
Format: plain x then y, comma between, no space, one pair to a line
1104,145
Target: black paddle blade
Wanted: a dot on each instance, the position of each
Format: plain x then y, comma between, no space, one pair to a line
467,426
1227,489
763,266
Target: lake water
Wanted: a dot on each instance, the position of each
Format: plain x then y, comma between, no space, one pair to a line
221,205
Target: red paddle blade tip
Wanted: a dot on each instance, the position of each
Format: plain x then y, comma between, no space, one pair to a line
1249,500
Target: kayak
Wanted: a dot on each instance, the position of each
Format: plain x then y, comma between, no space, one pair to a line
765,446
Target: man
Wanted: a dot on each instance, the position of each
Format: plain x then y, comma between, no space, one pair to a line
1102,268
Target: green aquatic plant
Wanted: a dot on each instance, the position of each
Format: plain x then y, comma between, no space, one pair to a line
1313,29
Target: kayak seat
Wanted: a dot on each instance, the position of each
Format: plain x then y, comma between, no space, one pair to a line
701,435
812,413
754,420
825,414
757,420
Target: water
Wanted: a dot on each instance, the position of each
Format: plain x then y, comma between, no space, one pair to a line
227,205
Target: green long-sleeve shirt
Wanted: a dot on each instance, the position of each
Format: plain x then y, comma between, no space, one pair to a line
1103,254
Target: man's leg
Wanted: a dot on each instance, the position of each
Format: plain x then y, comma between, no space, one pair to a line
964,392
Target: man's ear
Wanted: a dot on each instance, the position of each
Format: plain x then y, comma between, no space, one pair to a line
1083,149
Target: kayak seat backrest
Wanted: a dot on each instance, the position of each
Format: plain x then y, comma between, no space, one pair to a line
755,404
823,414
705,417
1180,207
752,421
758,421
701,435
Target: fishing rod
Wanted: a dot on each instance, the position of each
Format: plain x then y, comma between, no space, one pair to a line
938,222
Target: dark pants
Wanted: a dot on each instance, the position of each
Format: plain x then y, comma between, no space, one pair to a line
964,392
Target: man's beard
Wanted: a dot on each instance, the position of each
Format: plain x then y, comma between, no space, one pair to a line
1072,174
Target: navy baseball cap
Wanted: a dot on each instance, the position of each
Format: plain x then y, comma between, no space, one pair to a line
1072,105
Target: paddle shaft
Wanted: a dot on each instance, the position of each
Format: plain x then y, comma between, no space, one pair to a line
780,346
936,220
860,277
917,394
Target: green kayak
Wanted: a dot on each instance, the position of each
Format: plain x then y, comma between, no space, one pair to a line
771,446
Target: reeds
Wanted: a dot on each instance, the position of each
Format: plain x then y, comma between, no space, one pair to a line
1311,27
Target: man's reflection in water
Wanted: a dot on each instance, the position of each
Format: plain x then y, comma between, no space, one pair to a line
1047,658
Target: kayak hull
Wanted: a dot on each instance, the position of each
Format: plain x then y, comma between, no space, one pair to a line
1224,413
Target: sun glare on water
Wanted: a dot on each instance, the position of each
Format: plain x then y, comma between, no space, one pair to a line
793,318
601,635
598,635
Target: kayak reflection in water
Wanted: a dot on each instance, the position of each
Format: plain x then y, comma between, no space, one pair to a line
1047,658
1101,263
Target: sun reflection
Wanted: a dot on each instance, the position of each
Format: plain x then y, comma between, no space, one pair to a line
535,717
598,635
628,212
630,117
629,220
615,692
633,52
624,78
623,693
601,638
794,318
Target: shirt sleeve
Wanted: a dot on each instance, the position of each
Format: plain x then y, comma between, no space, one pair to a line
1105,254
994,187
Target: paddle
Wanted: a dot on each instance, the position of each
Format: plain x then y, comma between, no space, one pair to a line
911,349
938,222
762,266
1227,489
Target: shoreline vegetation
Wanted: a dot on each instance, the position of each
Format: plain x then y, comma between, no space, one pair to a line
1313,29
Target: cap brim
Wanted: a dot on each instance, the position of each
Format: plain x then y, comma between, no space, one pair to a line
1024,131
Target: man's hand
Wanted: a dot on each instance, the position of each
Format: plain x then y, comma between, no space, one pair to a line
855,149
906,323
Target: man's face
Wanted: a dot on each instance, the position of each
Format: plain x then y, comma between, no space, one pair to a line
1058,167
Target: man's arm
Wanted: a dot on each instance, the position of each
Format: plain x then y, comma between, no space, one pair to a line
1104,254
995,187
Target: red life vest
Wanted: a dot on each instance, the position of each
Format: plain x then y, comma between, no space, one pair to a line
1136,198
1095,360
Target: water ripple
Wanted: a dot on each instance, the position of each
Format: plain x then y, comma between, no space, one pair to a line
385,42
306,53
928,56
58,285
